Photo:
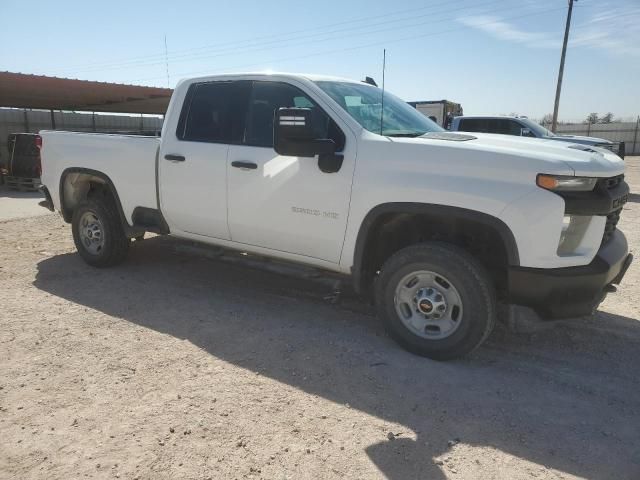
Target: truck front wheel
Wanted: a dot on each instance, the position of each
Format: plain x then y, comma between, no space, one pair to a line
436,300
98,232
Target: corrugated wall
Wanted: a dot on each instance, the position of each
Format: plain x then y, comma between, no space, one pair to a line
31,121
627,132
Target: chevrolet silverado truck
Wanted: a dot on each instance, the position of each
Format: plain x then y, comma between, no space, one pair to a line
434,227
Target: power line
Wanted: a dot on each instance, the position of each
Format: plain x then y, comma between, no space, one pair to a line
359,47
306,30
350,34
304,40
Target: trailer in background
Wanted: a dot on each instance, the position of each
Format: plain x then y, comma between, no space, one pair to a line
22,169
440,111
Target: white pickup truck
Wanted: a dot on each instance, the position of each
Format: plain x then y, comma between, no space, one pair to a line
435,227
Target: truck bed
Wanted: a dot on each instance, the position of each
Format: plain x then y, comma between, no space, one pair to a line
129,161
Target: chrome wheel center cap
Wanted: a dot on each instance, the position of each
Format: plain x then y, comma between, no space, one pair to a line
425,306
430,302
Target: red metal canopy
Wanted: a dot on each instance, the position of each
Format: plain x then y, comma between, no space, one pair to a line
19,90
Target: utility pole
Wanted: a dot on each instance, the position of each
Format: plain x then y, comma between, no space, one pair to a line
556,105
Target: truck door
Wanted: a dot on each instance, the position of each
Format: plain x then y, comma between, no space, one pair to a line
287,203
193,159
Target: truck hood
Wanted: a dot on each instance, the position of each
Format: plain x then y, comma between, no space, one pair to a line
581,160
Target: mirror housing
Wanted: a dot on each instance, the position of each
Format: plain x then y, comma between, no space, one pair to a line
294,134
526,132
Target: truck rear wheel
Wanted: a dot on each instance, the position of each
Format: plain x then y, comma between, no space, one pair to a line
436,300
98,232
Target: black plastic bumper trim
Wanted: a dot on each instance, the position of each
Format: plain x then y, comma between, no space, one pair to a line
47,202
571,291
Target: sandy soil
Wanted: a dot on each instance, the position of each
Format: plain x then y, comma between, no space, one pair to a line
179,365
15,204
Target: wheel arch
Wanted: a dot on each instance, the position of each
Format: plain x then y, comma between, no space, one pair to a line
75,185
383,214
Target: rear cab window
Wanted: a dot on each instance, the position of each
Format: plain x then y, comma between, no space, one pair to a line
214,112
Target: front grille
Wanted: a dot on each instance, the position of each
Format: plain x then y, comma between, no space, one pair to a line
612,221
614,217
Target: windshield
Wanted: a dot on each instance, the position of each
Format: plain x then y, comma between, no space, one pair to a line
539,130
364,103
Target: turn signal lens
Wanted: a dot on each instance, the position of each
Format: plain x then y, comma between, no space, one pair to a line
566,183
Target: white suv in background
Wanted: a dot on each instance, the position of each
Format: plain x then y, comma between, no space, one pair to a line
524,127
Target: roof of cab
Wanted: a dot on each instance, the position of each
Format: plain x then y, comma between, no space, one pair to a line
305,76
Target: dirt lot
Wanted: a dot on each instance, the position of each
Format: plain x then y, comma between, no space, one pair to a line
176,365
14,204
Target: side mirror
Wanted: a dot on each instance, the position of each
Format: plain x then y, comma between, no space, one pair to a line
294,134
526,132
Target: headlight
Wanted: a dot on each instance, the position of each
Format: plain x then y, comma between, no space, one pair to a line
562,183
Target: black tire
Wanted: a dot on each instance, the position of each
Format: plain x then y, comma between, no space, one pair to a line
115,245
472,283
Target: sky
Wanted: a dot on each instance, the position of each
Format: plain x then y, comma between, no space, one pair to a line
492,56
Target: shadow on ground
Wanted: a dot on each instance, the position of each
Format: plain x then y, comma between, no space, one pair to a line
566,398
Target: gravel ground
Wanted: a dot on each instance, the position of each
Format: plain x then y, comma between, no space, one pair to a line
179,365
14,204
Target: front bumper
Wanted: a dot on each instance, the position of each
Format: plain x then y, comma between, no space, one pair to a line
573,291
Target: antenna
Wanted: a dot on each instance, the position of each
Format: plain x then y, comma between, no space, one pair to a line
384,65
166,59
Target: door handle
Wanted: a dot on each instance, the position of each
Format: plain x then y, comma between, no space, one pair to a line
174,158
247,165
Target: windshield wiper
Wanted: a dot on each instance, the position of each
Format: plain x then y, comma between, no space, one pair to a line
410,135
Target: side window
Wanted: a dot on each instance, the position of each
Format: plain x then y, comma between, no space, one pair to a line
504,127
214,112
515,128
494,125
267,97
471,125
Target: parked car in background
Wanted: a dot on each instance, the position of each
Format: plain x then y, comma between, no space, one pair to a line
524,127
22,170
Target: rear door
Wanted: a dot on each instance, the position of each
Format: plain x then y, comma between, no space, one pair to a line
193,159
